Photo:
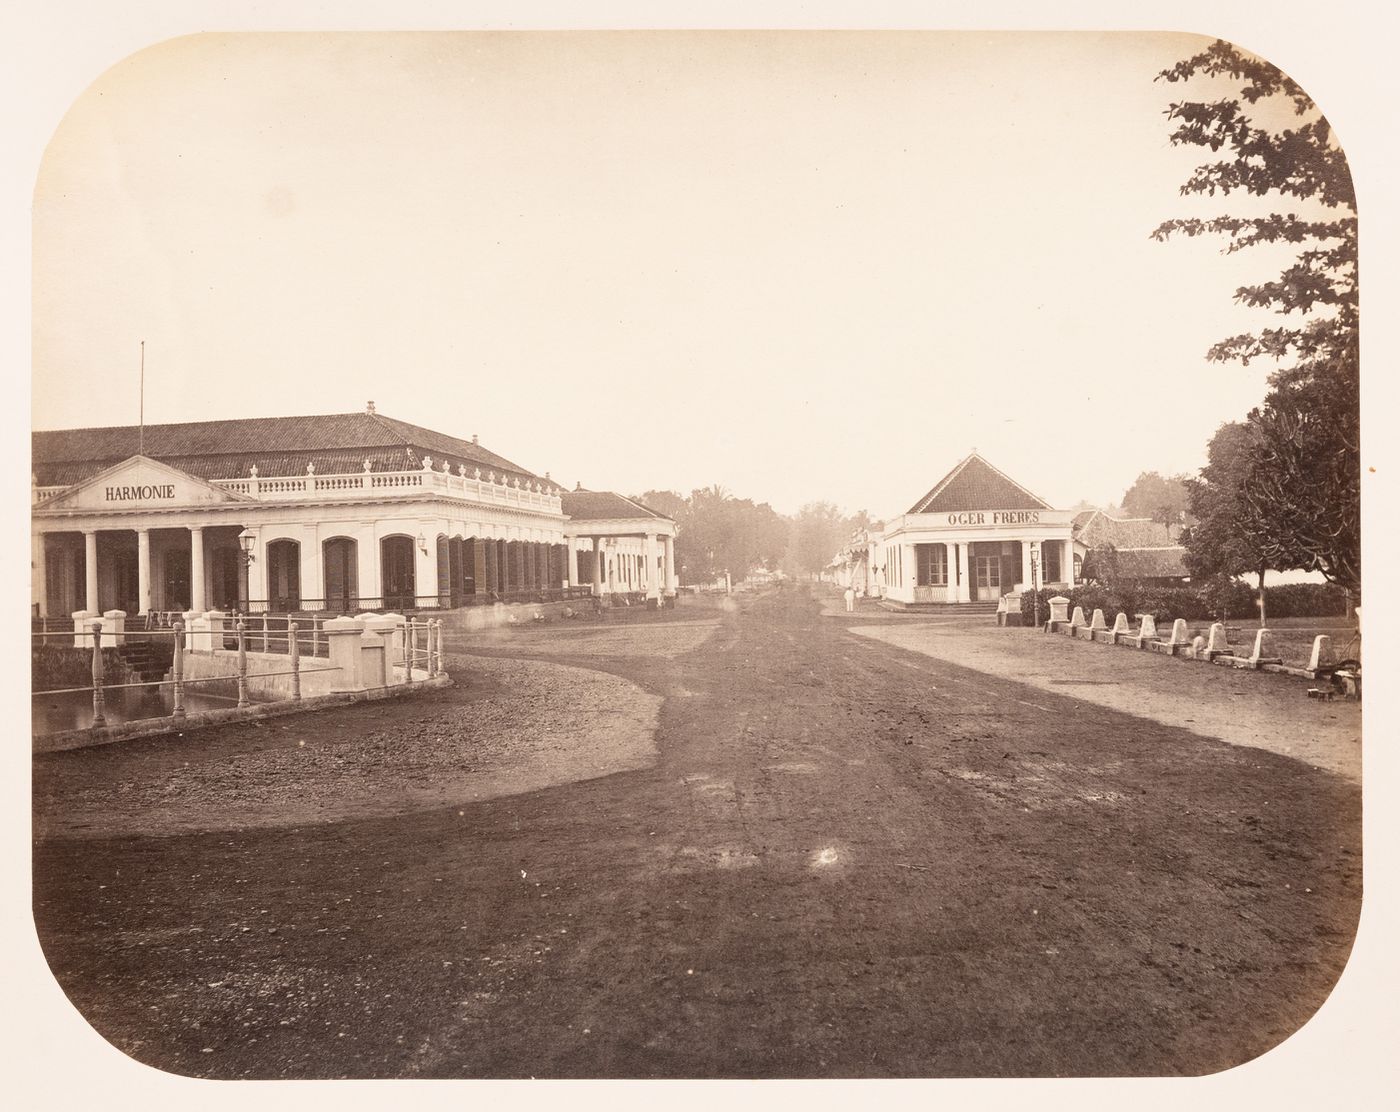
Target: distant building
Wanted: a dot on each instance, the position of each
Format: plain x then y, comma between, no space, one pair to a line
975,536
1142,550
619,545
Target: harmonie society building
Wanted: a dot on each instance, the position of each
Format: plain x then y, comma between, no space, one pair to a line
977,535
340,513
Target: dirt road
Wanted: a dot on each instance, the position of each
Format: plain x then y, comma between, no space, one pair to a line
847,859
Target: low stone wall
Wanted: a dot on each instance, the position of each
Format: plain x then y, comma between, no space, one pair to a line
148,727
317,675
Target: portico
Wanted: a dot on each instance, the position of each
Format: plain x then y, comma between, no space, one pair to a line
619,546
976,536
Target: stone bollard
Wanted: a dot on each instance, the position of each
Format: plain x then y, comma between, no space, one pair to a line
1059,610
1120,626
1076,620
82,628
1178,639
1198,648
393,625
1219,643
343,640
114,624
1147,631
1097,621
1263,643
386,626
1321,656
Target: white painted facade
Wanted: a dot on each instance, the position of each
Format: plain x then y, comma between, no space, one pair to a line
146,536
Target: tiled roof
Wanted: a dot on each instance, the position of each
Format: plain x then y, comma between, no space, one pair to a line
336,443
1152,563
1122,532
974,484
601,505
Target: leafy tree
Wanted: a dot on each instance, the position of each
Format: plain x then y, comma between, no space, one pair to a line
1163,499
1230,535
1303,454
819,531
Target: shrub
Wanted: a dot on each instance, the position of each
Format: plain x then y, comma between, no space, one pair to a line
1213,600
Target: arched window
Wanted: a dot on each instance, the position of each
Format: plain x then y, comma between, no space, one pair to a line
396,572
283,576
341,574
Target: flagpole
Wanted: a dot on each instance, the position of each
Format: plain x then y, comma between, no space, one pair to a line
141,433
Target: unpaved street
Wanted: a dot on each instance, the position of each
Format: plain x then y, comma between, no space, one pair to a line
839,857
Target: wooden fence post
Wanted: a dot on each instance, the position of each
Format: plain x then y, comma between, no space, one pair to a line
177,710
242,662
294,650
99,707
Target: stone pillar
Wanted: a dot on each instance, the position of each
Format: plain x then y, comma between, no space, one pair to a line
1059,609
143,571
649,580
114,626
1025,565
90,568
343,640
374,659
570,567
82,628
1067,568
597,566
215,620
196,570
964,572
1321,656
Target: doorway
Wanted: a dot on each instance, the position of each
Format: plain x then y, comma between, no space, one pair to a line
396,571
341,575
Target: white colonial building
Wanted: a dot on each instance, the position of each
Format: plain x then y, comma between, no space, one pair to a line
338,513
977,535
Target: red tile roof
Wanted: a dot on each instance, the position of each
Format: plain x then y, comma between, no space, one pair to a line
601,505
336,443
974,484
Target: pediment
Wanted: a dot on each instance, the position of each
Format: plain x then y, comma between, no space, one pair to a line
140,483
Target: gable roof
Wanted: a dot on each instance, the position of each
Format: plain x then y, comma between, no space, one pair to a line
336,443
1152,563
1122,532
974,484
601,505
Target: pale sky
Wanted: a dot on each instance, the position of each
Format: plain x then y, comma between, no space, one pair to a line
802,266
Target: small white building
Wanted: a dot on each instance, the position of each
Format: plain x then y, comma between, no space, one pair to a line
977,535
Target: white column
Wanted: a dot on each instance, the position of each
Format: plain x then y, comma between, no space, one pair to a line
312,569
257,573
1067,568
668,563
1025,565
38,575
143,571
649,580
570,576
964,572
196,569
90,552
597,566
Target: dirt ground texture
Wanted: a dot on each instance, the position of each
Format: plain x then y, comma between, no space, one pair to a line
837,858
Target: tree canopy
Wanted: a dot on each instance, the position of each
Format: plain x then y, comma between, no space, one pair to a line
1298,464
1162,498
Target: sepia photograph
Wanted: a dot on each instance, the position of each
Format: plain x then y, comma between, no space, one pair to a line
679,553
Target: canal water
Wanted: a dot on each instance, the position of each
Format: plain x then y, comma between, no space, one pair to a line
73,710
